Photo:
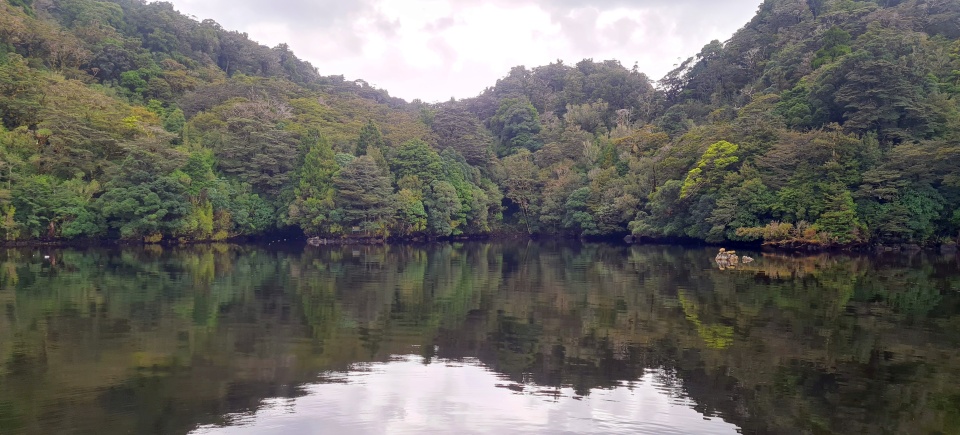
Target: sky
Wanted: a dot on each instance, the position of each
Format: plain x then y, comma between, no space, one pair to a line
435,50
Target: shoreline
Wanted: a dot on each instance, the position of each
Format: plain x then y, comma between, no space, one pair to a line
794,248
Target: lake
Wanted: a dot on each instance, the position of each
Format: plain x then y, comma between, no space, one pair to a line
513,337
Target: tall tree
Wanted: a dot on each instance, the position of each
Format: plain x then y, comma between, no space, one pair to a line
364,197
314,195
460,130
370,137
517,125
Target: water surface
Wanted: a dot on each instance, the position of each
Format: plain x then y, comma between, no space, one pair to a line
475,338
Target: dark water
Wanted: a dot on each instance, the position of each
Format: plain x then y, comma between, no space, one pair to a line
475,338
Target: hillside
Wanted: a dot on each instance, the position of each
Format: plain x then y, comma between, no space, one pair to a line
823,122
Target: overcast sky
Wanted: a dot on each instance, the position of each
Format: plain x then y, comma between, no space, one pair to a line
437,49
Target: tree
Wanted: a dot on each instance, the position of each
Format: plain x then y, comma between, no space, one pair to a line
146,211
142,203
364,197
711,168
255,149
20,93
411,213
517,125
311,208
521,185
835,45
840,219
442,205
460,130
578,217
370,137
416,158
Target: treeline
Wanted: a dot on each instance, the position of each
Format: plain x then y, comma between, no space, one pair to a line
827,122
152,126
820,122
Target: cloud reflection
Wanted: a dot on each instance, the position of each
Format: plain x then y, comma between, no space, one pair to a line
406,396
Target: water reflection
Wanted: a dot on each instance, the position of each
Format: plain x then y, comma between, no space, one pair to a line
565,337
406,396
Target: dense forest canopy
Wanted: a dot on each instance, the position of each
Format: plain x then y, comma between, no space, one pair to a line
827,122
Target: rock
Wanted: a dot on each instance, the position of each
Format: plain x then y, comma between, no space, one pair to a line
630,239
727,259
746,259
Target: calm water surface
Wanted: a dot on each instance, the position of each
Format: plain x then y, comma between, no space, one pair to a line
475,338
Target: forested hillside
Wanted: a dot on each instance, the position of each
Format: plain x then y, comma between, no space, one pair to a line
825,122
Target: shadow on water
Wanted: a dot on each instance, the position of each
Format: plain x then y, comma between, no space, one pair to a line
166,340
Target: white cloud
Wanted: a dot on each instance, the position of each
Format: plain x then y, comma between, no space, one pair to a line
433,49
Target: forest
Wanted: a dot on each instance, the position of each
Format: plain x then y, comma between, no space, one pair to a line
831,123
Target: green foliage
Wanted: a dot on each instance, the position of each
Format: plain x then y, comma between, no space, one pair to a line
742,206
460,130
797,109
442,206
343,159
198,223
840,221
174,121
256,148
314,196
144,210
578,217
77,13
411,213
370,137
835,45
238,211
130,120
318,168
26,5
20,93
364,198
416,158
517,124
521,186
11,229
911,216
711,167
662,217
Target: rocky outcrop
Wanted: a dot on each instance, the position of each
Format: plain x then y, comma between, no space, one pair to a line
318,241
729,259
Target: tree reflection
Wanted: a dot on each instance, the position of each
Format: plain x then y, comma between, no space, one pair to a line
165,339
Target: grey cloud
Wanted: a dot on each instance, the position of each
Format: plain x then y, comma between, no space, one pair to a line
307,13
621,30
440,25
580,27
440,46
663,27
301,16
387,27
